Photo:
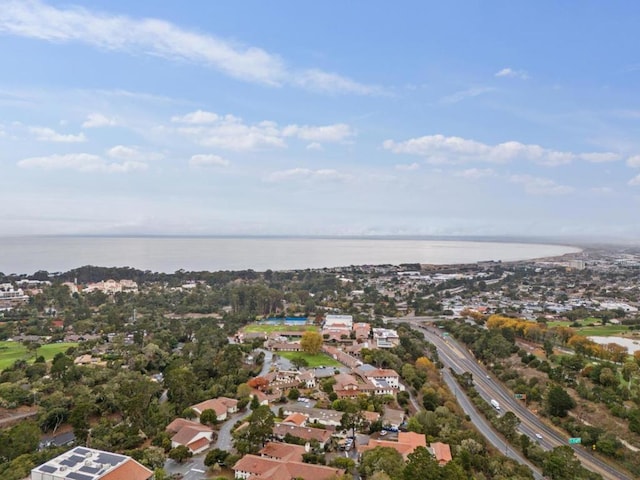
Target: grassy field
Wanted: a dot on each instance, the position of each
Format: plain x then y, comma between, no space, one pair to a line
603,331
12,351
256,327
313,360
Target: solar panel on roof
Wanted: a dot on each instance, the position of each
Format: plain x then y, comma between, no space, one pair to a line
47,468
76,459
79,476
81,451
67,462
109,458
88,469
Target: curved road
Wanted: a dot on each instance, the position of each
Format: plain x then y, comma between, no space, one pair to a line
455,356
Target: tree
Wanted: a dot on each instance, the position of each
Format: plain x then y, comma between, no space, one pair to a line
421,464
299,362
507,425
561,464
180,453
293,394
559,402
215,457
311,342
382,459
253,437
209,417
352,421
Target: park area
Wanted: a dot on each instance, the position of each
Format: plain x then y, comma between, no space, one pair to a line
12,351
313,360
271,328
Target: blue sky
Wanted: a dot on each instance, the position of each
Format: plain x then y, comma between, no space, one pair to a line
320,118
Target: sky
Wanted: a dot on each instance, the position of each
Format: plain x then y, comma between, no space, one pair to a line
477,118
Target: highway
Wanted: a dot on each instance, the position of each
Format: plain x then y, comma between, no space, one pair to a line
457,357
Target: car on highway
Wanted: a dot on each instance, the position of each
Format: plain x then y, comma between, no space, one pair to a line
538,436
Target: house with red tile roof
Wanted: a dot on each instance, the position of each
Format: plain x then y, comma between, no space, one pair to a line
280,431
285,452
296,418
406,444
221,405
441,451
193,435
253,467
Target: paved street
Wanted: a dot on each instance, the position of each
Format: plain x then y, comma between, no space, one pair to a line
456,356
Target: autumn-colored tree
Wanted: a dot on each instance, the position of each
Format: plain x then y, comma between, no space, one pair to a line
311,342
424,364
258,382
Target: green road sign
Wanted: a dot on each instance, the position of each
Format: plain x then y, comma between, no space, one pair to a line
575,440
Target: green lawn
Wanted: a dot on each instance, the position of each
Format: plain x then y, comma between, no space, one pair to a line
603,331
313,360
256,327
12,351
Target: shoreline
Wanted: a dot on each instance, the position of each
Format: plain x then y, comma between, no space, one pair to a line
171,254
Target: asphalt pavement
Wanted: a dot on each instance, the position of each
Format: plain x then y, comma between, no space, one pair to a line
456,356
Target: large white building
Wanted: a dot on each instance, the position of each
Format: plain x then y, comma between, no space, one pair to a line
338,321
82,463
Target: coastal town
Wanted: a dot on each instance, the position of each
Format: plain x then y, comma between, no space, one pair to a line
516,370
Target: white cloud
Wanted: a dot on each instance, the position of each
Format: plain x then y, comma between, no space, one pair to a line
197,117
439,149
298,174
82,162
203,160
635,181
511,73
408,167
464,94
597,157
634,162
232,133
540,186
159,38
45,134
327,133
326,82
95,120
474,173
314,146
121,152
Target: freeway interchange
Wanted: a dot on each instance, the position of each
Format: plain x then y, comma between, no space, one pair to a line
457,357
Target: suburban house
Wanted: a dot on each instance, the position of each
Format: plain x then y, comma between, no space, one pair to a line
392,418
406,444
329,418
193,435
81,463
221,405
296,418
385,338
285,452
441,451
280,431
253,467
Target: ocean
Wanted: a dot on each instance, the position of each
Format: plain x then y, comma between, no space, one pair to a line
26,255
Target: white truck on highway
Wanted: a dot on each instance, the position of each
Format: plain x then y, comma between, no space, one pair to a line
495,404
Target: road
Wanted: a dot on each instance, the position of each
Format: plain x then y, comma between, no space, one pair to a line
456,356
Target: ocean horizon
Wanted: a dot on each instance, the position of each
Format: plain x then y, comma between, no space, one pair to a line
28,254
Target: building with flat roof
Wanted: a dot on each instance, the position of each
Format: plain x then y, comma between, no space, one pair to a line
81,463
